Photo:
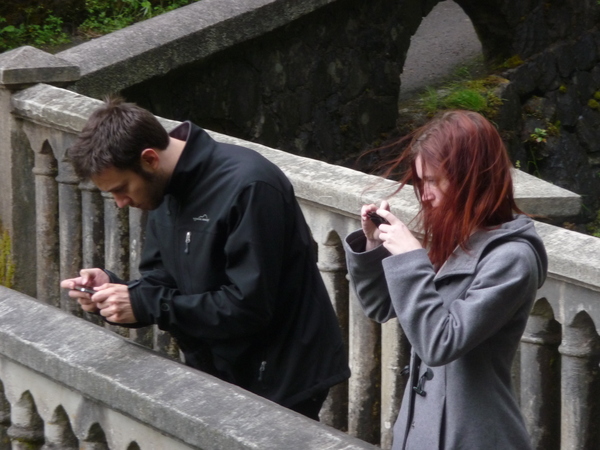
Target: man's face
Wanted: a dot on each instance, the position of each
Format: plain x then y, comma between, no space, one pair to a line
132,189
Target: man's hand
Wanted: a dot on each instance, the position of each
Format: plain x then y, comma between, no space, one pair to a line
114,303
91,278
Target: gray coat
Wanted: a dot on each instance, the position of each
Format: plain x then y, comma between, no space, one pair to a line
464,324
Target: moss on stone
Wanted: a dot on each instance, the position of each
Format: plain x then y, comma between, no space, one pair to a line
7,266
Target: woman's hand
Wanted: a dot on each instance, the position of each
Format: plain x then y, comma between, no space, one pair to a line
369,228
396,236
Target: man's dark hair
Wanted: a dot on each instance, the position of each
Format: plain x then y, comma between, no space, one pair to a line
115,136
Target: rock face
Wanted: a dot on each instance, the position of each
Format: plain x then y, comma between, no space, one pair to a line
551,110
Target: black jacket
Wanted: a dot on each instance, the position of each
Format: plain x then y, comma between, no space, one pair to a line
228,269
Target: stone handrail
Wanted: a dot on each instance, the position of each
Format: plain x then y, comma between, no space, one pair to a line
74,385
128,56
559,353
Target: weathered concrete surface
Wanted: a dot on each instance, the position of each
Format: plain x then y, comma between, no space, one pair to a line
28,65
157,46
186,404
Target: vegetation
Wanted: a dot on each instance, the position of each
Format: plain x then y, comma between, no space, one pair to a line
7,266
593,228
102,17
465,92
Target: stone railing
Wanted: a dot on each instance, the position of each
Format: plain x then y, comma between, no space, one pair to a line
67,384
556,375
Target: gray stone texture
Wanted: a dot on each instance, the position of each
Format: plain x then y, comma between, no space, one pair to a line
28,65
187,405
321,78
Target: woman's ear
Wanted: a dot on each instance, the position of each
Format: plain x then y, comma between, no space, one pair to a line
150,159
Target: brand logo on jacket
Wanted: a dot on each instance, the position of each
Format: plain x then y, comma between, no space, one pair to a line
202,218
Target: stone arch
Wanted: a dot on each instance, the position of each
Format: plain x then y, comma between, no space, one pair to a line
59,433
95,439
27,426
439,47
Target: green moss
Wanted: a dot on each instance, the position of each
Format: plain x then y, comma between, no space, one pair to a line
597,95
472,94
7,266
593,104
594,227
512,62
562,89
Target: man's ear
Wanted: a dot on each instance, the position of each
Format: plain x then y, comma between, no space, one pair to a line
150,159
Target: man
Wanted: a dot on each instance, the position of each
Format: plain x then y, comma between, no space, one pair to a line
227,266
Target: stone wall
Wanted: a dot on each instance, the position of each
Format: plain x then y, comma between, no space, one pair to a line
558,91
326,84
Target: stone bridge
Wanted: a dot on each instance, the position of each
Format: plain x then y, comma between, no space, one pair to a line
67,383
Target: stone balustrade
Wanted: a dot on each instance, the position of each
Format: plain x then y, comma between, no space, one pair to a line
68,384
556,375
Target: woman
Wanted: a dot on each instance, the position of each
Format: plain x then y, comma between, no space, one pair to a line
462,294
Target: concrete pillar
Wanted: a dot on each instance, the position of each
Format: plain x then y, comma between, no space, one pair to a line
332,265
116,243
580,385
540,377
69,216
92,225
395,354
47,250
19,69
364,389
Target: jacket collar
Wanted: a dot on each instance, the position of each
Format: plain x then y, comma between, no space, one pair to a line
194,159
464,261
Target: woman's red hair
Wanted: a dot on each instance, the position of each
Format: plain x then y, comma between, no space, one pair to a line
467,149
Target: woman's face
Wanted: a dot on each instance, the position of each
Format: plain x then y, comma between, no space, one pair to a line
434,184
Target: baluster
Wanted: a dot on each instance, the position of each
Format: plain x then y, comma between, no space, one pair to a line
59,434
27,429
46,200
395,354
332,266
116,232
540,377
92,225
137,222
70,232
92,231
364,385
580,385
4,420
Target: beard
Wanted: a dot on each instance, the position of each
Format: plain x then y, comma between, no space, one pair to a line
155,185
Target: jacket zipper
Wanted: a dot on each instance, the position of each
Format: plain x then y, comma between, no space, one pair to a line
261,370
188,239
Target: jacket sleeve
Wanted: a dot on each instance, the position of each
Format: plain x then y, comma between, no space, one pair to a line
367,277
254,258
442,330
